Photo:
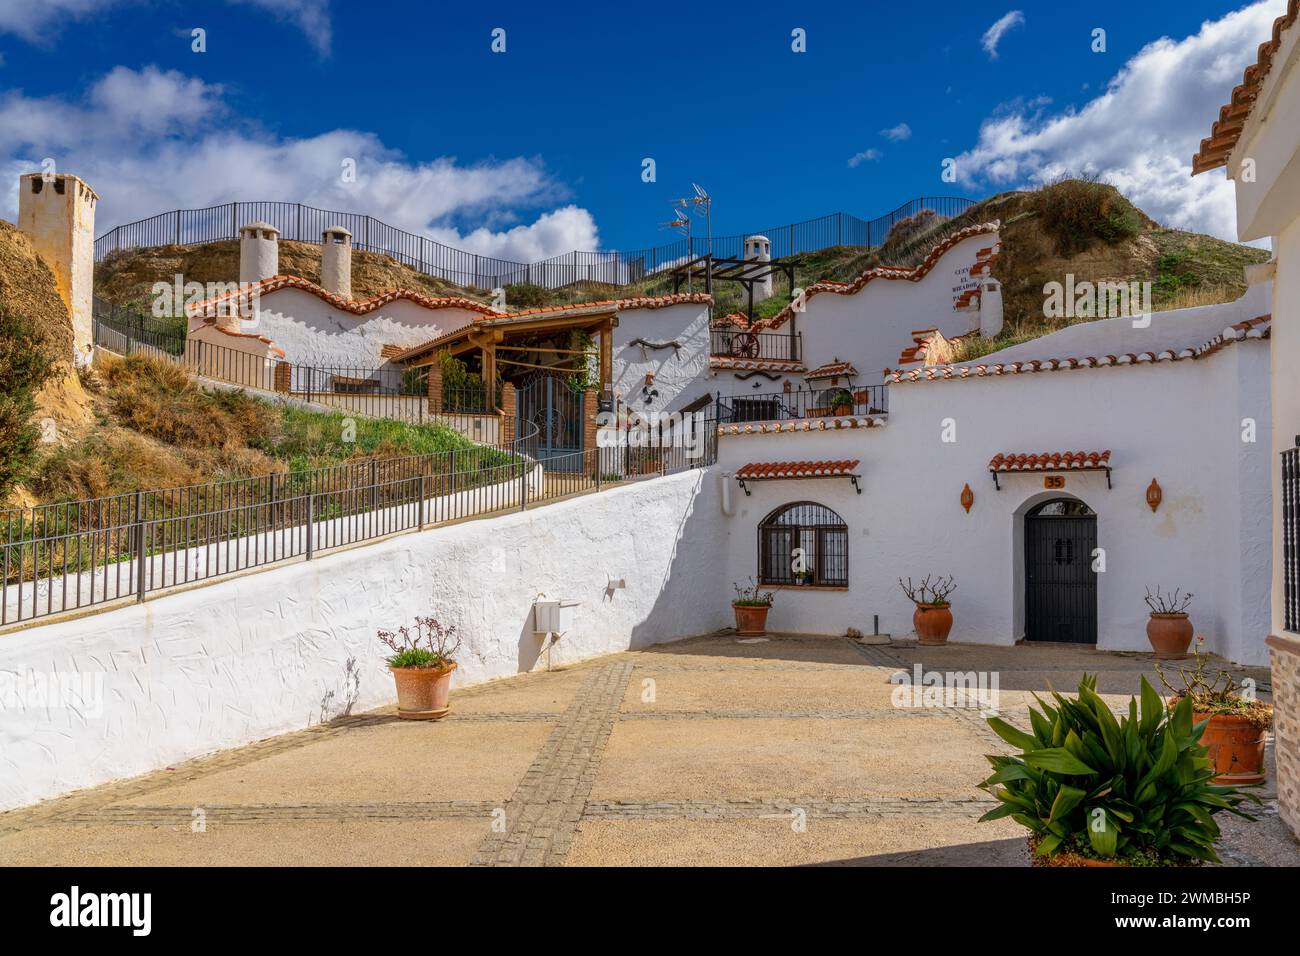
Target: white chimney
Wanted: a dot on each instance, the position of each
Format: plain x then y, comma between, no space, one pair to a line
336,261
990,307
259,252
760,248
56,211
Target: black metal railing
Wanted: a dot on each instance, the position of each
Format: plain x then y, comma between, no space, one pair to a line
306,223
1291,538
832,402
742,344
74,555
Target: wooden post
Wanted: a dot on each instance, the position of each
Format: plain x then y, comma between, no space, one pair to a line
606,356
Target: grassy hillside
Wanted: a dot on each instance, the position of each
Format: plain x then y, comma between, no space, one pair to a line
1073,226
156,429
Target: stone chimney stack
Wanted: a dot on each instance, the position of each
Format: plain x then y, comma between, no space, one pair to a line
259,252
336,261
56,211
760,248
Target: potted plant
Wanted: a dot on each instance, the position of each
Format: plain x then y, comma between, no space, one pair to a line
842,402
751,606
1236,724
422,661
1169,630
1097,791
932,618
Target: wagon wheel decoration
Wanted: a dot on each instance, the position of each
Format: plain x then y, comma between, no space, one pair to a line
744,345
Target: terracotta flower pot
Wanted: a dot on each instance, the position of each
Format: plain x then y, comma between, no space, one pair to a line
422,692
932,623
1236,748
751,619
1170,635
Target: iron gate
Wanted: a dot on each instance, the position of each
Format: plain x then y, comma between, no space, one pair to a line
547,401
1060,584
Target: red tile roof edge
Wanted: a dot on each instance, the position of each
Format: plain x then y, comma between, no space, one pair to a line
885,272
797,469
1256,328
1218,146
1050,461
802,425
355,306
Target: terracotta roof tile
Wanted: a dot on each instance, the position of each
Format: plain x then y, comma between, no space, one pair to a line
1218,146
831,369
390,351
356,307
800,425
1256,328
727,363
885,272
1050,461
760,471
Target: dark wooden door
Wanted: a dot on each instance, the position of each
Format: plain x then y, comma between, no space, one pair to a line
1060,584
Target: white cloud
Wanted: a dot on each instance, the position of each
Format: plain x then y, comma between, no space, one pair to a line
867,155
39,21
312,17
1141,132
897,133
994,34
149,141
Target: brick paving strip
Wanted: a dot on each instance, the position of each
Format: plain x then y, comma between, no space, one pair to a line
848,808
227,814
542,815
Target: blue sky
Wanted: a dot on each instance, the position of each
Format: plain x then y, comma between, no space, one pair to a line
532,151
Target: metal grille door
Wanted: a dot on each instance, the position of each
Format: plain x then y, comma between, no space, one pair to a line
547,401
1060,584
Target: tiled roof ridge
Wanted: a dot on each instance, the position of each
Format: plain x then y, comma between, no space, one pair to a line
355,306
1256,328
801,425
1049,460
1218,146
362,306
914,274
834,468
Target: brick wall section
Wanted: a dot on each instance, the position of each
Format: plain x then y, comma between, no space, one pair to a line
590,404
509,409
1284,655
283,376
435,388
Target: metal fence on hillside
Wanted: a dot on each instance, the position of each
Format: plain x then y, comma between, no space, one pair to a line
306,223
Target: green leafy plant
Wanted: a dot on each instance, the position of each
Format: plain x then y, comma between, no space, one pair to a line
23,371
1217,694
751,596
1133,789
427,644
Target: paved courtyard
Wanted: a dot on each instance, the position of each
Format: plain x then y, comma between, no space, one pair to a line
707,751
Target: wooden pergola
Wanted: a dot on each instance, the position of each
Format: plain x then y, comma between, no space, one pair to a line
491,337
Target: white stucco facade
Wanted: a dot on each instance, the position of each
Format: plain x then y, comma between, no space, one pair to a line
267,653
672,345
1181,423
314,331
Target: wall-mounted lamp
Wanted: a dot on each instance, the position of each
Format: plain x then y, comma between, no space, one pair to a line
967,498
1154,495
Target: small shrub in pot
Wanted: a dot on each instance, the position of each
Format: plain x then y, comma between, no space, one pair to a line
422,661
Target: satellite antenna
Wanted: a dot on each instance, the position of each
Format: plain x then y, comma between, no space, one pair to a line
704,201
682,223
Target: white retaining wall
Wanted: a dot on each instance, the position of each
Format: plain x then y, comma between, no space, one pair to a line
276,651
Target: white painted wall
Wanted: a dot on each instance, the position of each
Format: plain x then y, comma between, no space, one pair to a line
276,651
680,375
1285,357
313,332
1177,422
871,327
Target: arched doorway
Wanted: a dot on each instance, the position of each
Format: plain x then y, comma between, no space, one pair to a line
1060,583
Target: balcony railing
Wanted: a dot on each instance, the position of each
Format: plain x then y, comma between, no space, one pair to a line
846,401
742,344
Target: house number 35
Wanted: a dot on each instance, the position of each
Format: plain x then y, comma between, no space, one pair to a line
1054,481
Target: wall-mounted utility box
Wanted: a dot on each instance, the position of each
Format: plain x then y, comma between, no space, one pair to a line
553,617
